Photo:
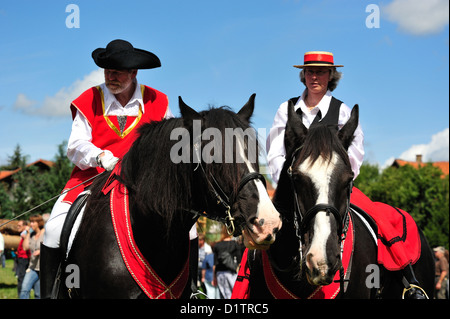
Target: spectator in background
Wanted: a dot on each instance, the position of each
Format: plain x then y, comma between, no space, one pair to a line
446,257
33,241
227,253
2,250
203,250
23,256
207,278
441,273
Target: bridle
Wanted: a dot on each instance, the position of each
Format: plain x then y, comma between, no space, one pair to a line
302,220
222,199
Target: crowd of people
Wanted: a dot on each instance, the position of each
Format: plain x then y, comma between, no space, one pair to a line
27,256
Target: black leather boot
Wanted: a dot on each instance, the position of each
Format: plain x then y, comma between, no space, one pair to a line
50,261
412,286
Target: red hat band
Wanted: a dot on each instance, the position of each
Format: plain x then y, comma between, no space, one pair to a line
318,58
322,58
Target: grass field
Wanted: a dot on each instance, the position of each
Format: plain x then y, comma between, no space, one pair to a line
8,282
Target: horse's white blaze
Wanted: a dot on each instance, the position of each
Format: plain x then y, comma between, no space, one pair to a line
268,218
320,173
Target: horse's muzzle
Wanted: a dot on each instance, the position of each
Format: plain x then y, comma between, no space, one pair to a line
259,235
320,273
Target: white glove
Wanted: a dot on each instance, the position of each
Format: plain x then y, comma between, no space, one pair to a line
107,160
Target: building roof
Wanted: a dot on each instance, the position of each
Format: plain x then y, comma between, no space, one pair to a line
40,163
5,174
444,166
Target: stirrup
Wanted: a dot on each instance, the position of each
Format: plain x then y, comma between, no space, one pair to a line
411,286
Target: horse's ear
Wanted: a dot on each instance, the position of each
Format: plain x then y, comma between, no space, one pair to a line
346,133
295,132
187,113
247,110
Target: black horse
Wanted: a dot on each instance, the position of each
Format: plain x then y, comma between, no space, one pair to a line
175,171
313,197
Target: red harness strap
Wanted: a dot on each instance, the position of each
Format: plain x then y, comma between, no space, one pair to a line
139,268
241,289
330,291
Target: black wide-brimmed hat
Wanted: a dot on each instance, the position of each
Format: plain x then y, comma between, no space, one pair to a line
120,54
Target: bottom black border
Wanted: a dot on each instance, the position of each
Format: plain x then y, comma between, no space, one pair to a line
235,309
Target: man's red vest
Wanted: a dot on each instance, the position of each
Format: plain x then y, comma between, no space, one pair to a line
106,132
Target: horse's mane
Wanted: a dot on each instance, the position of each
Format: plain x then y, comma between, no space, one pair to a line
322,140
162,186
149,173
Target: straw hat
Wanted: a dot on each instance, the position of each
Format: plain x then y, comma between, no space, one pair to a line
318,58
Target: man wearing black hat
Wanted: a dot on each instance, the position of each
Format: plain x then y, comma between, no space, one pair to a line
105,119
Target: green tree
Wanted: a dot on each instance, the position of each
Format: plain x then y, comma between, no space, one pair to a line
5,202
8,201
14,198
33,187
48,184
17,160
368,175
421,192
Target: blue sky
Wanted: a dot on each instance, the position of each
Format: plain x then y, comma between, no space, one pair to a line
220,52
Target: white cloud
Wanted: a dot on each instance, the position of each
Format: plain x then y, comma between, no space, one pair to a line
435,151
58,104
23,103
418,17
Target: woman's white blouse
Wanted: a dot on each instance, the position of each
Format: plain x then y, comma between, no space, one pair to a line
276,153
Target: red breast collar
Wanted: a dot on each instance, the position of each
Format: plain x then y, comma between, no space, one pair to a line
139,268
279,291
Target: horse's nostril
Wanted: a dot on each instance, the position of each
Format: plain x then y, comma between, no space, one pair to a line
253,221
256,221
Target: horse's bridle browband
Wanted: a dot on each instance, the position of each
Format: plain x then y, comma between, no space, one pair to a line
226,201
